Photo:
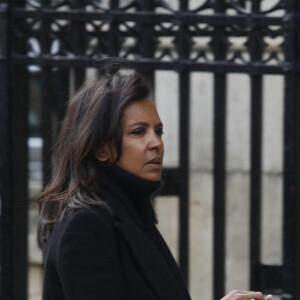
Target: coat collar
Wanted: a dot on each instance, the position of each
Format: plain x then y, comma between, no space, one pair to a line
117,186
123,192
158,273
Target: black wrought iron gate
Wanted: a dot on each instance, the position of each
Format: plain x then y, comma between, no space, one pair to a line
57,40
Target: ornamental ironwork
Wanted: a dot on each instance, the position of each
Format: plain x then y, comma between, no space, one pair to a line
237,36
62,38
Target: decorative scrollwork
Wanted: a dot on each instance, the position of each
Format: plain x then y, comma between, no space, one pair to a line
247,7
164,5
172,36
204,7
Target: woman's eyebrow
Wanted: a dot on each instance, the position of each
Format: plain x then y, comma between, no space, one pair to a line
145,124
140,123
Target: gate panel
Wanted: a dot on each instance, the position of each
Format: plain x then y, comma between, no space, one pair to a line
13,160
65,38
5,162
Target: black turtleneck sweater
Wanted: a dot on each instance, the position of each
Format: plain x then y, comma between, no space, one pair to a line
132,192
115,253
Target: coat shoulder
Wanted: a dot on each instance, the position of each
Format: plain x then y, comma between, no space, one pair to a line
88,216
88,221
83,254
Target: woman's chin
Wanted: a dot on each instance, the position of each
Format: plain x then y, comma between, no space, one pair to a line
152,176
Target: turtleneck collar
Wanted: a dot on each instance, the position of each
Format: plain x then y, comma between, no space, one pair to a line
132,192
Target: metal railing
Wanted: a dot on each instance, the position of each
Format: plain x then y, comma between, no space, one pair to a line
64,38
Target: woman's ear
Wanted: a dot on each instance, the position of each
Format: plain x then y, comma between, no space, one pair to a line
103,153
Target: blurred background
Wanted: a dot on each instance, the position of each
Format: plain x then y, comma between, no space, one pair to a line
225,78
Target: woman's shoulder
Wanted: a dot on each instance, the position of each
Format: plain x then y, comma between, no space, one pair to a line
84,221
85,229
86,217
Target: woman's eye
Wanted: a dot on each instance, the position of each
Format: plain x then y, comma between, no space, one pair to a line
159,131
138,131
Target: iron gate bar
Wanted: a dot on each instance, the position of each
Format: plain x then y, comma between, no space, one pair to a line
172,177
46,124
290,156
188,18
296,268
19,168
256,155
114,42
271,278
289,185
219,186
5,188
61,88
255,179
5,162
77,38
183,45
19,196
184,100
219,179
146,45
154,64
46,101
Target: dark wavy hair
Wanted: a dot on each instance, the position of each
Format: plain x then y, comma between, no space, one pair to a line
92,120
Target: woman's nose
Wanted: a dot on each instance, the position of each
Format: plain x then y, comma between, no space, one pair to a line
155,141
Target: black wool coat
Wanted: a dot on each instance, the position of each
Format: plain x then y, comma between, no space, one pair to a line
96,255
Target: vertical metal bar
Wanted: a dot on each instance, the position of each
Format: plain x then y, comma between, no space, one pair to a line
114,40
46,122
290,155
61,89
6,277
19,168
289,182
14,173
78,33
5,188
183,5
146,39
19,127
255,179
79,76
46,107
114,34
296,288
184,114
255,154
219,187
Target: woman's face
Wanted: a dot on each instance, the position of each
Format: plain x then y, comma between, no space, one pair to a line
142,145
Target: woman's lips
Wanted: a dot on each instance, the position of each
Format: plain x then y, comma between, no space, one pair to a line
155,163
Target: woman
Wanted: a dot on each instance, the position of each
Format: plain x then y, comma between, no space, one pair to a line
97,224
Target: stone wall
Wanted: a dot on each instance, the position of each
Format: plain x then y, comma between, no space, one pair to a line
237,175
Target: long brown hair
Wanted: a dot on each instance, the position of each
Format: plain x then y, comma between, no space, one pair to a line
91,121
